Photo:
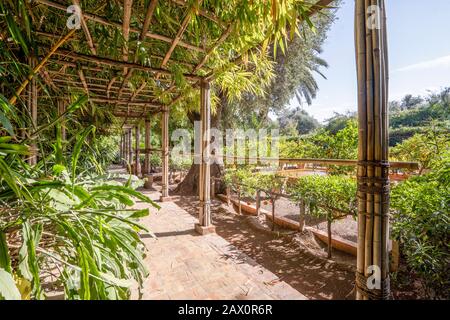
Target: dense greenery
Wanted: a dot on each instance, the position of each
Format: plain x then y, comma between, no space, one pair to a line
422,225
63,224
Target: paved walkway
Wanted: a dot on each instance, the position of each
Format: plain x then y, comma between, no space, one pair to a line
184,265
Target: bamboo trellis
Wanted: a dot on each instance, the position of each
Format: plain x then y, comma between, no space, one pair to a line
105,80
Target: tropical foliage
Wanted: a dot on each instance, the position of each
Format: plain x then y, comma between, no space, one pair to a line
422,225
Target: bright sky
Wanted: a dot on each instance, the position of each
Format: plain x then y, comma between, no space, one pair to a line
419,54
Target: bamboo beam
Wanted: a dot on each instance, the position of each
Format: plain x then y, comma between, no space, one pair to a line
83,81
119,64
222,39
179,34
127,5
86,30
148,18
126,102
40,65
202,12
118,25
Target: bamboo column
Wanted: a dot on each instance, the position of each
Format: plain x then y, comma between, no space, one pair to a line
373,164
121,149
165,153
204,225
130,147
124,155
137,152
147,147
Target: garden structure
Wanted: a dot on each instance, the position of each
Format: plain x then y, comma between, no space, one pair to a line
164,61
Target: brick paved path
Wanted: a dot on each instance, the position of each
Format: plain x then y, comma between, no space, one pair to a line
184,265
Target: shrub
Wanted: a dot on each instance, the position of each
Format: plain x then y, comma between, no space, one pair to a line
422,225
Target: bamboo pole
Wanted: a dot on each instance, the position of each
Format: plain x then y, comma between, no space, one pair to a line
258,202
36,69
370,143
373,168
118,25
205,223
130,148
165,153
362,123
330,245
147,168
301,219
273,213
137,153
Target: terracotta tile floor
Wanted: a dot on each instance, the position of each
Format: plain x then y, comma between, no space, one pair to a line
185,265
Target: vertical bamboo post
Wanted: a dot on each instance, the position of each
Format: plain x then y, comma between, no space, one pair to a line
373,165
228,195
147,147
137,155
239,200
301,218
273,213
165,153
213,188
124,148
130,147
258,202
205,224
330,245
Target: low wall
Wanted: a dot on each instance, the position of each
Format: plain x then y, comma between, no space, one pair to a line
337,242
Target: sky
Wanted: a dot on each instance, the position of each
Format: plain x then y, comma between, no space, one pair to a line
419,55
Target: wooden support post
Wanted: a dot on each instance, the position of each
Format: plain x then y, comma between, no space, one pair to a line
273,213
213,188
137,153
121,149
129,148
205,224
373,160
258,202
302,216
228,190
147,168
330,244
239,200
125,149
165,153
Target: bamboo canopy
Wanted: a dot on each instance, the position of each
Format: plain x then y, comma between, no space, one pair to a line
139,57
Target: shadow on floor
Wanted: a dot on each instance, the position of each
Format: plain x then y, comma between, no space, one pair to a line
311,276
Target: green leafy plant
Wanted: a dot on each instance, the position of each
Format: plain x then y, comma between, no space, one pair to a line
421,223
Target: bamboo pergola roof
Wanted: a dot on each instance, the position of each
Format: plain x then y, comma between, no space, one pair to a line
137,63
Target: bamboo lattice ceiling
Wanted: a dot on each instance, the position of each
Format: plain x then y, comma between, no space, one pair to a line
138,55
